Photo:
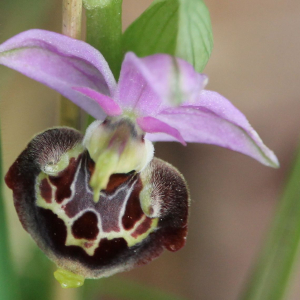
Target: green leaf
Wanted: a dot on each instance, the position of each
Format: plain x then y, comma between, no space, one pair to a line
9,289
272,273
122,289
178,27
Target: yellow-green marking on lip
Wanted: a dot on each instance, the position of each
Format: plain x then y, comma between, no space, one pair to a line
116,146
68,279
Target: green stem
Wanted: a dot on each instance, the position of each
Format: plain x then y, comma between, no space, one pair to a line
104,30
272,274
9,289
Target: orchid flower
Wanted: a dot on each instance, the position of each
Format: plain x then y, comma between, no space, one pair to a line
102,203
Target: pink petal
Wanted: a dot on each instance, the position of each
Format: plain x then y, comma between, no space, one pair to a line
153,125
214,120
109,106
60,63
152,83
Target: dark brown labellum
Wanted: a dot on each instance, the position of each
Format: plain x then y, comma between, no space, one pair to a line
136,217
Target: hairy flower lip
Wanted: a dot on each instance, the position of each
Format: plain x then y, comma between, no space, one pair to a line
139,215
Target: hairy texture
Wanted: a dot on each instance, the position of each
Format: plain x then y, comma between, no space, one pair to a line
136,217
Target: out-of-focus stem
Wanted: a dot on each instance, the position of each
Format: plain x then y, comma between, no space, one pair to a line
72,13
70,114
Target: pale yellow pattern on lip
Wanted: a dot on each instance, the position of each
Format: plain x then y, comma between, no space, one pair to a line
54,167
89,246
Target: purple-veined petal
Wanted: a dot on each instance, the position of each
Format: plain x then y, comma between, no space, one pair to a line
153,125
61,63
152,83
214,120
109,106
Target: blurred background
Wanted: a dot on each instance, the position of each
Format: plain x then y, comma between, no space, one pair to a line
256,65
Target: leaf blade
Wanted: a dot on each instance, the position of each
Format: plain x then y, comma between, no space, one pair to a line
196,16
271,276
177,27
147,31
8,281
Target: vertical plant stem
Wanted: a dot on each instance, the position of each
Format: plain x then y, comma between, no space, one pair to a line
72,14
9,289
104,30
272,274
70,114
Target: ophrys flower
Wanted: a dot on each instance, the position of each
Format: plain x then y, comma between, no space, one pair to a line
101,203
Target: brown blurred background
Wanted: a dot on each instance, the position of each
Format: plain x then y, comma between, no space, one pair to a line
255,64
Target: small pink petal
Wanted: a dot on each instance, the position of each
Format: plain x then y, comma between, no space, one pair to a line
109,106
153,125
